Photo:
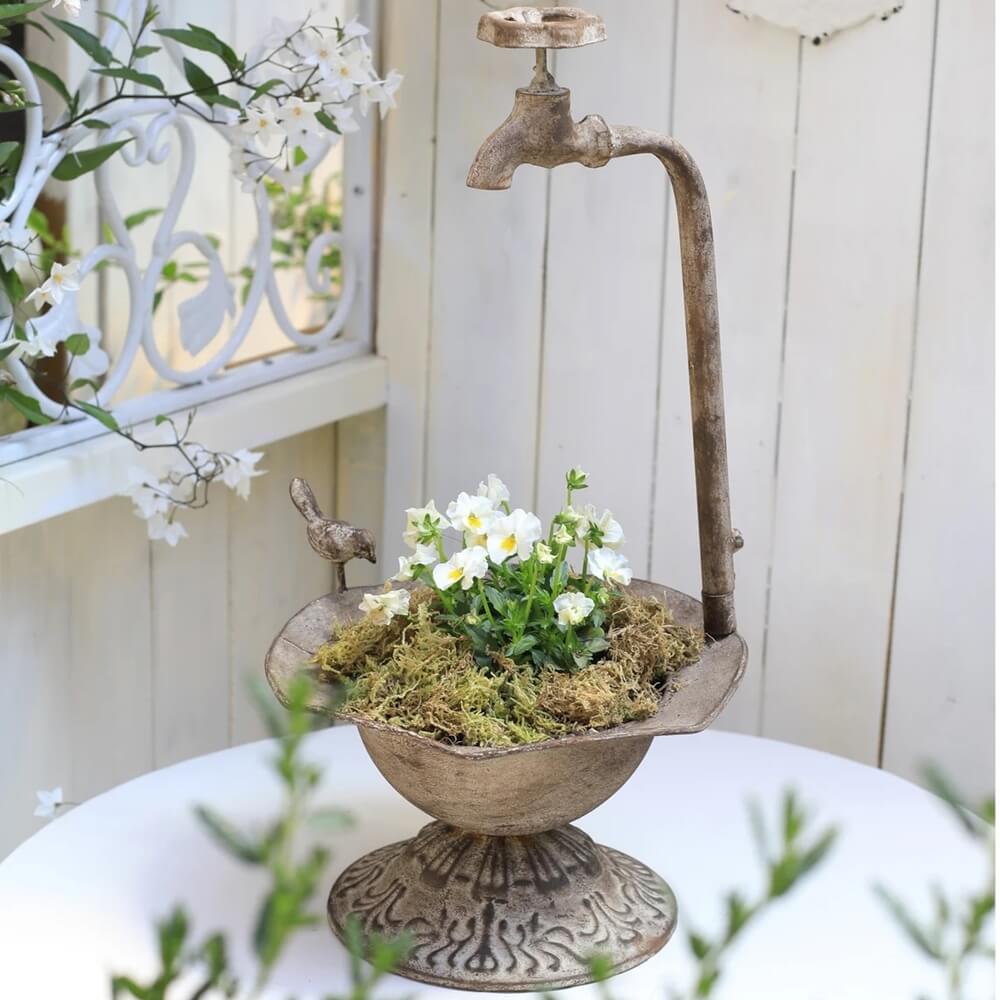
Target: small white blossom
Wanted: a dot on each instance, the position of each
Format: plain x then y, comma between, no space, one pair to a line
320,52
544,554
471,515
384,607
144,491
159,528
572,608
48,803
611,531
494,490
349,69
280,32
380,92
13,245
561,535
354,29
42,341
239,469
296,116
415,517
514,534
62,278
425,555
468,565
610,566
262,124
72,7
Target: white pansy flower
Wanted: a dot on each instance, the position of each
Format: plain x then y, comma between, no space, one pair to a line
495,490
561,535
415,517
72,7
296,116
384,607
239,469
62,278
514,534
158,528
48,803
471,515
572,608
544,554
425,555
468,566
611,531
610,566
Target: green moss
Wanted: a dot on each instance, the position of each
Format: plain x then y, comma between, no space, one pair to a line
412,675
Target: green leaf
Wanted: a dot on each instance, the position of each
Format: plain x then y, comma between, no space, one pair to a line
98,413
217,98
77,344
133,76
522,645
13,11
79,383
96,123
75,165
138,218
198,78
144,51
909,924
229,837
327,122
698,945
203,40
90,44
266,87
7,150
26,405
52,79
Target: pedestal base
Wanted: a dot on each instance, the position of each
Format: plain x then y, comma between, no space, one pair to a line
507,914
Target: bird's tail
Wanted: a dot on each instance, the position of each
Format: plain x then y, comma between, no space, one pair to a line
304,499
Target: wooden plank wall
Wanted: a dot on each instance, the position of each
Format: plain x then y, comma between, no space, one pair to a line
532,329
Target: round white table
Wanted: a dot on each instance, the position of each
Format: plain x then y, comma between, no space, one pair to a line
78,899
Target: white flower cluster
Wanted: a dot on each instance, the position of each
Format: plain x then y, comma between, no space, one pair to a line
320,72
491,534
157,499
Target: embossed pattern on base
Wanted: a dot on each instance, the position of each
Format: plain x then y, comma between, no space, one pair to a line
507,913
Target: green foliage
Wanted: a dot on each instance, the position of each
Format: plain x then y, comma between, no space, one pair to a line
960,928
293,876
75,165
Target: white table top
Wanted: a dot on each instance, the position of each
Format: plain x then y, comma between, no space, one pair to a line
78,899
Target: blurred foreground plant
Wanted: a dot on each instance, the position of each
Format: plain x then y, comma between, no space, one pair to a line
960,931
203,969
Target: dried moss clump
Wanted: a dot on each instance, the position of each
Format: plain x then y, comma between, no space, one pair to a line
411,674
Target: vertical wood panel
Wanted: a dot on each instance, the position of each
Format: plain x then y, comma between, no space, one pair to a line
940,697
601,334
859,181
488,263
409,142
734,109
272,572
360,463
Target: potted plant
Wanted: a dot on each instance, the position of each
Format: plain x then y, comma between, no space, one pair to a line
508,680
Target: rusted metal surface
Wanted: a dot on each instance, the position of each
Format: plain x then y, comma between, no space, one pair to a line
540,131
541,28
337,541
514,914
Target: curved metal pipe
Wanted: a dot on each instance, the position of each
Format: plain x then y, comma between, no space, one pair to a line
708,417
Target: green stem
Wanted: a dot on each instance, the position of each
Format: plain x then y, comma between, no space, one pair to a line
486,603
531,594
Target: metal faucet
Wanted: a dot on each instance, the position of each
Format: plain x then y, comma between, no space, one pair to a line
540,131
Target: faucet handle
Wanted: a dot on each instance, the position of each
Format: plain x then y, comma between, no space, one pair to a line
541,28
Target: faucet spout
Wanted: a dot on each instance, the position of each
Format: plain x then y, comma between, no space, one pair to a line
539,130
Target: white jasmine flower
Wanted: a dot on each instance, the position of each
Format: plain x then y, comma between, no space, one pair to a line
425,555
417,518
296,116
239,469
350,69
72,7
572,608
544,554
380,92
471,515
13,245
611,531
344,117
384,607
514,534
468,566
561,535
43,341
62,278
144,490
494,490
262,124
48,802
610,566
354,29
158,528
280,32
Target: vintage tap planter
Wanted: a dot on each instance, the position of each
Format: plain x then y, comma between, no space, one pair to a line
501,892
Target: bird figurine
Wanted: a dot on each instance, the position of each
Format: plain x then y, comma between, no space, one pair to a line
337,541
